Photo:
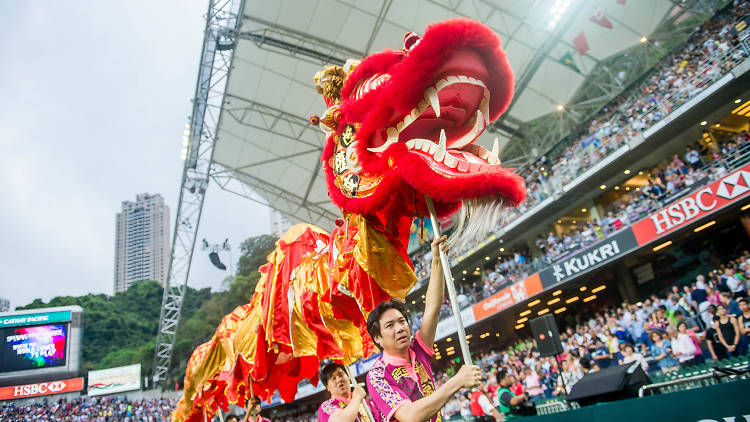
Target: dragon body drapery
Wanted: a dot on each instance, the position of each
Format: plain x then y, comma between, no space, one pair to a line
402,125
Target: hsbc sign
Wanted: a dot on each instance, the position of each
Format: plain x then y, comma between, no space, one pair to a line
705,201
41,389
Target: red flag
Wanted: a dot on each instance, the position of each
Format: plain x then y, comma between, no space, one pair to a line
622,2
582,46
600,19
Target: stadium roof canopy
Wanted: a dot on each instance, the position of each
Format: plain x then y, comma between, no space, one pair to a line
263,137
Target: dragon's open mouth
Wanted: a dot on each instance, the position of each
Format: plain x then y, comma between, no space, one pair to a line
442,127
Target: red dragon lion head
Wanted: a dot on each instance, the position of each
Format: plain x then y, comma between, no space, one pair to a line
404,123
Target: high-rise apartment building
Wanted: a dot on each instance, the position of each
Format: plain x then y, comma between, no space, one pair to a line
279,223
141,241
4,305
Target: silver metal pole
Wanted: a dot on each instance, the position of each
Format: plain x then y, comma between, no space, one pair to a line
449,285
353,382
221,415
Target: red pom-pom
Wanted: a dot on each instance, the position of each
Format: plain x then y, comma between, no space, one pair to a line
339,222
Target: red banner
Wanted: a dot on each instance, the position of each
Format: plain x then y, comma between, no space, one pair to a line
41,389
697,205
508,297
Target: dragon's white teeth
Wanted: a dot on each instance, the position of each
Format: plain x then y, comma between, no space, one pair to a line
392,133
452,79
441,148
400,126
450,161
422,106
410,144
441,84
418,143
427,146
485,109
463,78
431,95
407,121
476,130
433,148
494,157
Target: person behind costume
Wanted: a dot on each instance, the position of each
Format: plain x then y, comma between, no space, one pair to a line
481,407
253,411
344,405
509,401
400,382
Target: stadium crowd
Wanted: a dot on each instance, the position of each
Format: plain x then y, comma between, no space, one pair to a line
708,319
86,409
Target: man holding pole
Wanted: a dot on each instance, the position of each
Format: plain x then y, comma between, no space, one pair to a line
400,382
344,405
253,411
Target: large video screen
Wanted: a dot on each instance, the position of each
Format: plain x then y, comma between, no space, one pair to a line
34,347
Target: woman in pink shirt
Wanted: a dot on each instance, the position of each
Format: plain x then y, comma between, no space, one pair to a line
533,385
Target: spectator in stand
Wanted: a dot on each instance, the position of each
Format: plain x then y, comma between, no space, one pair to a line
481,405
744,325
533,385
736,287
731,305
630,355
509,401
683,346
693,158
727,328
661,350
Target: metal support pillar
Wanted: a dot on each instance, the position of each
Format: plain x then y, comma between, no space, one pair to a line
220,32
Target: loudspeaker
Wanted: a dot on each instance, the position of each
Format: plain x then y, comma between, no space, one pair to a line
610,384
547,337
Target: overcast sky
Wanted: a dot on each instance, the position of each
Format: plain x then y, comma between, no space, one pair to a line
94,96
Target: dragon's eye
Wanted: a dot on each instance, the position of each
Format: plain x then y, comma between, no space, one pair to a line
370,84
411,40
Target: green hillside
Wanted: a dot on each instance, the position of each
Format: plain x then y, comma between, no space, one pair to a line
121,329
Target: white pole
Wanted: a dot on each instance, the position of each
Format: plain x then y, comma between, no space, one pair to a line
449,285
353,382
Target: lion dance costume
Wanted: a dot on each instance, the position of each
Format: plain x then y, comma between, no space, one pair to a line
401,126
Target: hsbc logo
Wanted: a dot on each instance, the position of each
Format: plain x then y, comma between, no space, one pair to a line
734,185
56,386
707,200
701,202
41,388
